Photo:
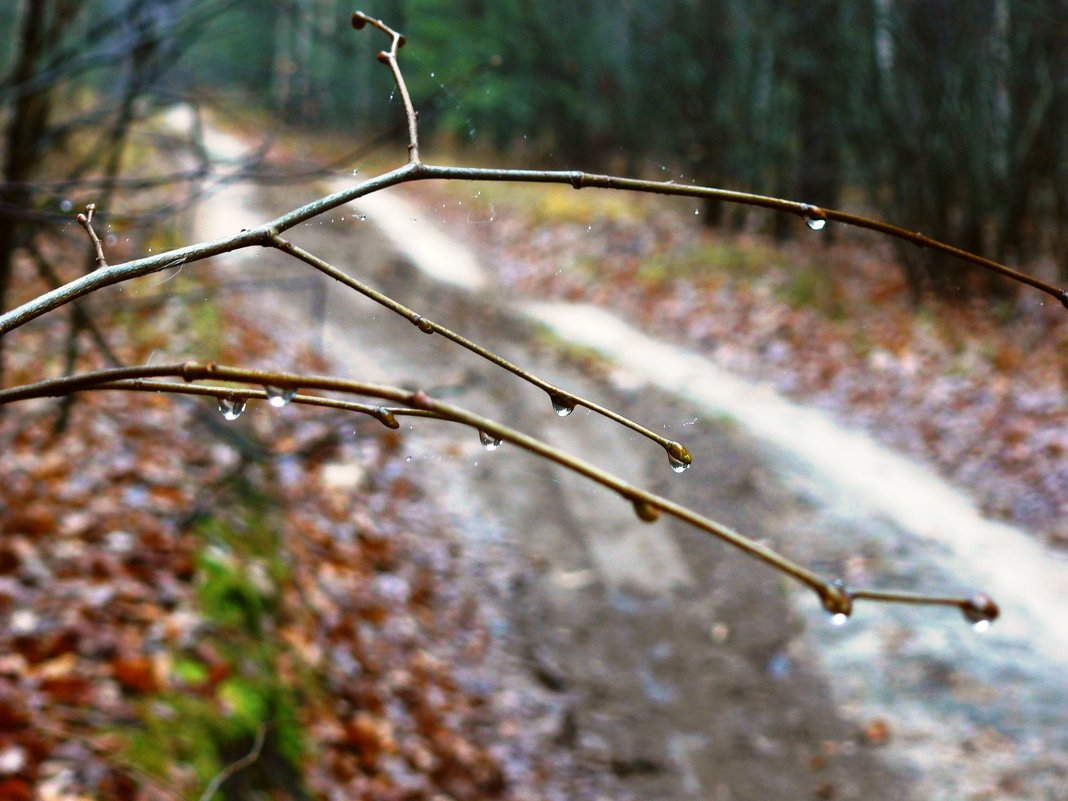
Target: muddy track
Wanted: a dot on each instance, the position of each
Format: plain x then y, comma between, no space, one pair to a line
677,668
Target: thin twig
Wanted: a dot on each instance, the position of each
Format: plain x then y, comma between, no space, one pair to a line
835,597
86,221
561,398
234,767
397,41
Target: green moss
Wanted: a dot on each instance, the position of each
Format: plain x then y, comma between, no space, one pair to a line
211,713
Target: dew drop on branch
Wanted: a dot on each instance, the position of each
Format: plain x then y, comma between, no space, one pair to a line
561,405
838,601
815,218
231,407
279,396
678,465
980,610
489,442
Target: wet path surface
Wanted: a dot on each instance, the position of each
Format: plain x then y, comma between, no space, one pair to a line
681,668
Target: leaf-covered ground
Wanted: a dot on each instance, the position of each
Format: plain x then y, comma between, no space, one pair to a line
171,582
976,388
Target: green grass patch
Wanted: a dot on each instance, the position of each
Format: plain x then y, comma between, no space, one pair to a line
709,259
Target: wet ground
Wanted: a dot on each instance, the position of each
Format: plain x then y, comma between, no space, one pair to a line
675,667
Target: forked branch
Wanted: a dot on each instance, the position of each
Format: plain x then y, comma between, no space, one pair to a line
86,221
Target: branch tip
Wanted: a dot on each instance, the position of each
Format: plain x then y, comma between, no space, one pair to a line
86,222
980,609
836,598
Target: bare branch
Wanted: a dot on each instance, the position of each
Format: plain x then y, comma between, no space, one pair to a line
86,222
389,57
835,597
234,767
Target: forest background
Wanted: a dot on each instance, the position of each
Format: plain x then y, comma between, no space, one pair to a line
943,117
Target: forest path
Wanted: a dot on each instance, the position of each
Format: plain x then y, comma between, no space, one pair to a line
685,668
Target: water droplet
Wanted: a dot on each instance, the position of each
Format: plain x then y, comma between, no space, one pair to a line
355,171
231,407
561,405
279,396
980,610
110,239
489,442
361,217
815,218
432,75
837,600
645,510
678,465
696,212
65,205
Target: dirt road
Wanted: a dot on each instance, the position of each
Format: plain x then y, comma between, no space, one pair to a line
679,668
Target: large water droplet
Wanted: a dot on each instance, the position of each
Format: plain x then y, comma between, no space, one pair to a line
645,510
839,619
489,442
678,465
980,610
561,405
65,205
279,396
815,218
231,407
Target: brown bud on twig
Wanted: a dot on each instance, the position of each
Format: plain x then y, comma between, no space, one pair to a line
980,610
